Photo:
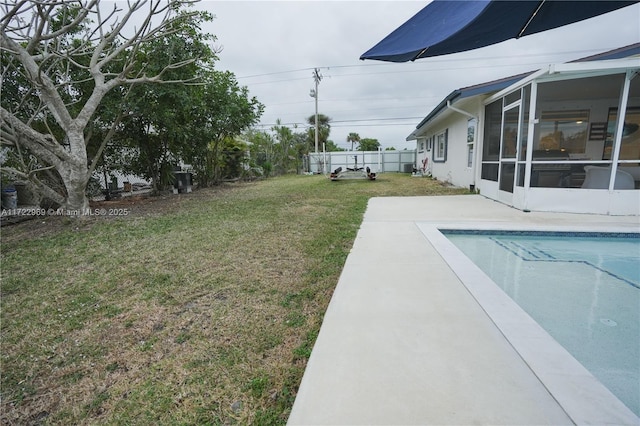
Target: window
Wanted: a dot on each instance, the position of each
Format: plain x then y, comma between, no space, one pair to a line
512,97
492,130
563,132
440,154
471,138
471,130
491,145
511,118
524,125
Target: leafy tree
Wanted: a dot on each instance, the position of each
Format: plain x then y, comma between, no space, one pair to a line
233,159
390,148
158,127
190,123
285,157
63,68
368,144
330,146
222,110
291,147
300,149
261,148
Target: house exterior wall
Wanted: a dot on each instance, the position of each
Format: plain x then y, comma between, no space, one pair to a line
555,182
455,168
452,168
569,200
564,188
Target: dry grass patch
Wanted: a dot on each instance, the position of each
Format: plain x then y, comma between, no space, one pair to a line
195,309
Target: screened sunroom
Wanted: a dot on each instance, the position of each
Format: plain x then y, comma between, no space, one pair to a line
566,139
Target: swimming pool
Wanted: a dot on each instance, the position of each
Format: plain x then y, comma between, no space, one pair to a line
582,288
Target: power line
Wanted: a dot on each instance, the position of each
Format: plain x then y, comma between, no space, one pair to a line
331,123
484,65
376,119
369,99
373,125
425,64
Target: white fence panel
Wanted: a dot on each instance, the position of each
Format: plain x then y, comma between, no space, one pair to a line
377,161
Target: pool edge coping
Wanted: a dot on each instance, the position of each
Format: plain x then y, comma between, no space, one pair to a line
582,396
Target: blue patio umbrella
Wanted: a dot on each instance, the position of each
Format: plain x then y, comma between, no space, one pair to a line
446,26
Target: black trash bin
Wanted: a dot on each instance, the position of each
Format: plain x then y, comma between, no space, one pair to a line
182,182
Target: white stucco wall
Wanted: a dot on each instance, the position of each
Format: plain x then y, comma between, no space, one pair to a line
455,169
598,102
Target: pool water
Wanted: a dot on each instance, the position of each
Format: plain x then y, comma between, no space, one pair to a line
584,290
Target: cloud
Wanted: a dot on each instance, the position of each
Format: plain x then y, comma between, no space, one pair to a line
272,48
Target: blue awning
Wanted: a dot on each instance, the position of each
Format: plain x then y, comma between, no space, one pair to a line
445,26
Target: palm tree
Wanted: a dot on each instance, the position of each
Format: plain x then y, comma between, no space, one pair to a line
324,128
353,137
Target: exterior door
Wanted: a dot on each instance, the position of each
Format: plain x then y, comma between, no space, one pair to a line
509,147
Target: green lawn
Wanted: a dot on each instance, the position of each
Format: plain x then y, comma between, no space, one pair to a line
199,309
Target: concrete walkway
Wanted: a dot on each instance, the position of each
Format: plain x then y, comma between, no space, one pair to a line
407,341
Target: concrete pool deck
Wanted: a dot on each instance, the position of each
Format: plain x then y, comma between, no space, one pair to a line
415,335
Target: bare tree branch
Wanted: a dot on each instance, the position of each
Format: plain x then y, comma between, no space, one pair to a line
43,188
44,146
67,65
23,174
52,35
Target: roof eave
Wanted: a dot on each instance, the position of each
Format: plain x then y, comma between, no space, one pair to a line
596,63
463,93
442,106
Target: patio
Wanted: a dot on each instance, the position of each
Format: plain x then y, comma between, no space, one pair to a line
404,341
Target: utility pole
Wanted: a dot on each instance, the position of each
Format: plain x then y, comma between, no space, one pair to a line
314,94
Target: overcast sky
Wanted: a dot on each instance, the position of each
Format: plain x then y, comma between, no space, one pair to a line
272,48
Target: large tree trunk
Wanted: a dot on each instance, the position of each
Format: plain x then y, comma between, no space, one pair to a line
75,183
76,177
75,173
40,59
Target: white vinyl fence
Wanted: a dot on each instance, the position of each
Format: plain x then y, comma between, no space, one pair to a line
377,161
